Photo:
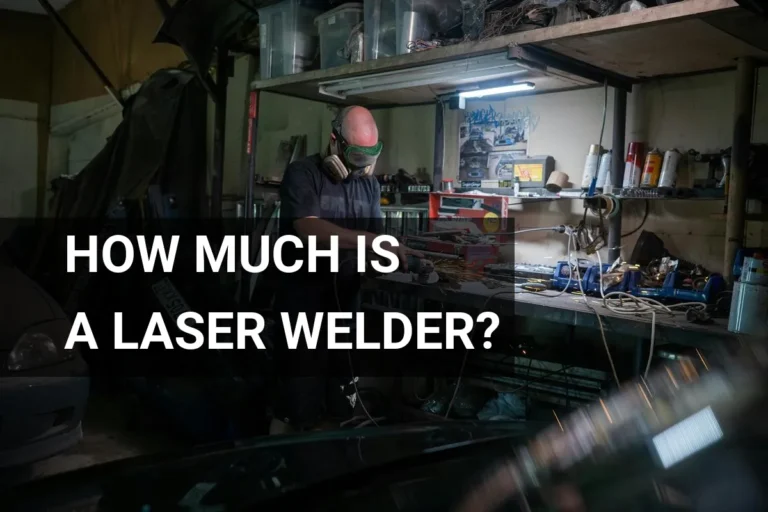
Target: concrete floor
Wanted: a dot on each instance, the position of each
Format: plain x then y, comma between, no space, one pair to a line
111,432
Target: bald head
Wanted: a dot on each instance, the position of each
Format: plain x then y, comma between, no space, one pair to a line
358,126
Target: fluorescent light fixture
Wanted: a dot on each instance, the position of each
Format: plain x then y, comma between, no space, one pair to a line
466,71
504,89
687,437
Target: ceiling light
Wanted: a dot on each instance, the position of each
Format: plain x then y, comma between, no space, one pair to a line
504,89
467,71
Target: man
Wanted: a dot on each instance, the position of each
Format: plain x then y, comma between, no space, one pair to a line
333,194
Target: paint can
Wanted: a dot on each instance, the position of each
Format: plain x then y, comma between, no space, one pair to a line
668,176
446,186
604,171
633,167
651,169
754,271
590,166
749,309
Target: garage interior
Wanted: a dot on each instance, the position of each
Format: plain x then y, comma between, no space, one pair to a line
591,171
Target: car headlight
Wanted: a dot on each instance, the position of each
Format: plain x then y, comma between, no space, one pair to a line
34,350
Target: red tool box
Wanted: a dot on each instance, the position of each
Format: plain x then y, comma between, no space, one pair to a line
477,220
487,212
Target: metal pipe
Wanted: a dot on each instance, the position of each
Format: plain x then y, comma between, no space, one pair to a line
437,173
217,177
617,167
87,56
740,148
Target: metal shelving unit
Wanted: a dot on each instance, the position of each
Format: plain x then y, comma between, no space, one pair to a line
689,37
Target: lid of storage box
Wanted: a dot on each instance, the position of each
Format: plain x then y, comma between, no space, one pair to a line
343,8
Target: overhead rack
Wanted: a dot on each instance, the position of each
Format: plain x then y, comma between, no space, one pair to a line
692,36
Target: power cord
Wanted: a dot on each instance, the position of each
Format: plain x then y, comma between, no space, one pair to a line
623,303
349,353
642,222
507,290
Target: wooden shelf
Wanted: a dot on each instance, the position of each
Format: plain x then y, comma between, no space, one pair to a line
691,36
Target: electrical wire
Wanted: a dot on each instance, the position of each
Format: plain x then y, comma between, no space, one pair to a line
504,291
642,222
349,353
605,112
600,324
640,306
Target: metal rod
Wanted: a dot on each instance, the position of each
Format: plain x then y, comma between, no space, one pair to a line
740,148
87,56
617,167
437,173
250,148
217,177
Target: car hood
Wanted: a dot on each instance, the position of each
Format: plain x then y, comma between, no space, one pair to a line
242,475
23,304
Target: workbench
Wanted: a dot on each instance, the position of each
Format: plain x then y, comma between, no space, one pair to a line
568,309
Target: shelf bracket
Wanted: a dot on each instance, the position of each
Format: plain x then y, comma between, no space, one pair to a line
543,58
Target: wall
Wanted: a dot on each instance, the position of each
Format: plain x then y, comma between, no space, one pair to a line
692,112
25,40
408,133
118,34
18,158
79,130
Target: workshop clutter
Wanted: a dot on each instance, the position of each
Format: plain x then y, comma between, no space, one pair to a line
341,35
292,33
288,37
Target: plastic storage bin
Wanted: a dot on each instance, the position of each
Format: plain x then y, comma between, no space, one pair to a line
391,24
335,28
287,38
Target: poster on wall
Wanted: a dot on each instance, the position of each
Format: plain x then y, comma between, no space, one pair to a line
486,131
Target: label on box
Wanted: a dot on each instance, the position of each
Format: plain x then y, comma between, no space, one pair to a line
470,184
332,20
263,35
489,184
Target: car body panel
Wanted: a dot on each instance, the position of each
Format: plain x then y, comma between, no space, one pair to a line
41,409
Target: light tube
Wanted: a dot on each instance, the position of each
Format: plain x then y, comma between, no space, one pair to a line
504,89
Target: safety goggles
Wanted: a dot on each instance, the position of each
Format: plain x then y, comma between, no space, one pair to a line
357,156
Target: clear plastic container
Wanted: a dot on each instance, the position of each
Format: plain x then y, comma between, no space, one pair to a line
380,29
391,24
335,28
288,38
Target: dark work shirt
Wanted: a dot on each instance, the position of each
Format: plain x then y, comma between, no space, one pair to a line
307,191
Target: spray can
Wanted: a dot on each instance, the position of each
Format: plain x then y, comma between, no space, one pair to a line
651,169
634,165
604,171
668,176
590,166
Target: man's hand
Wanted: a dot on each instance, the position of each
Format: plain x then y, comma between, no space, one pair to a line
402,254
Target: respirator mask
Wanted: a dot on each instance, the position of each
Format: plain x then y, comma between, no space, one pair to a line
345,160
